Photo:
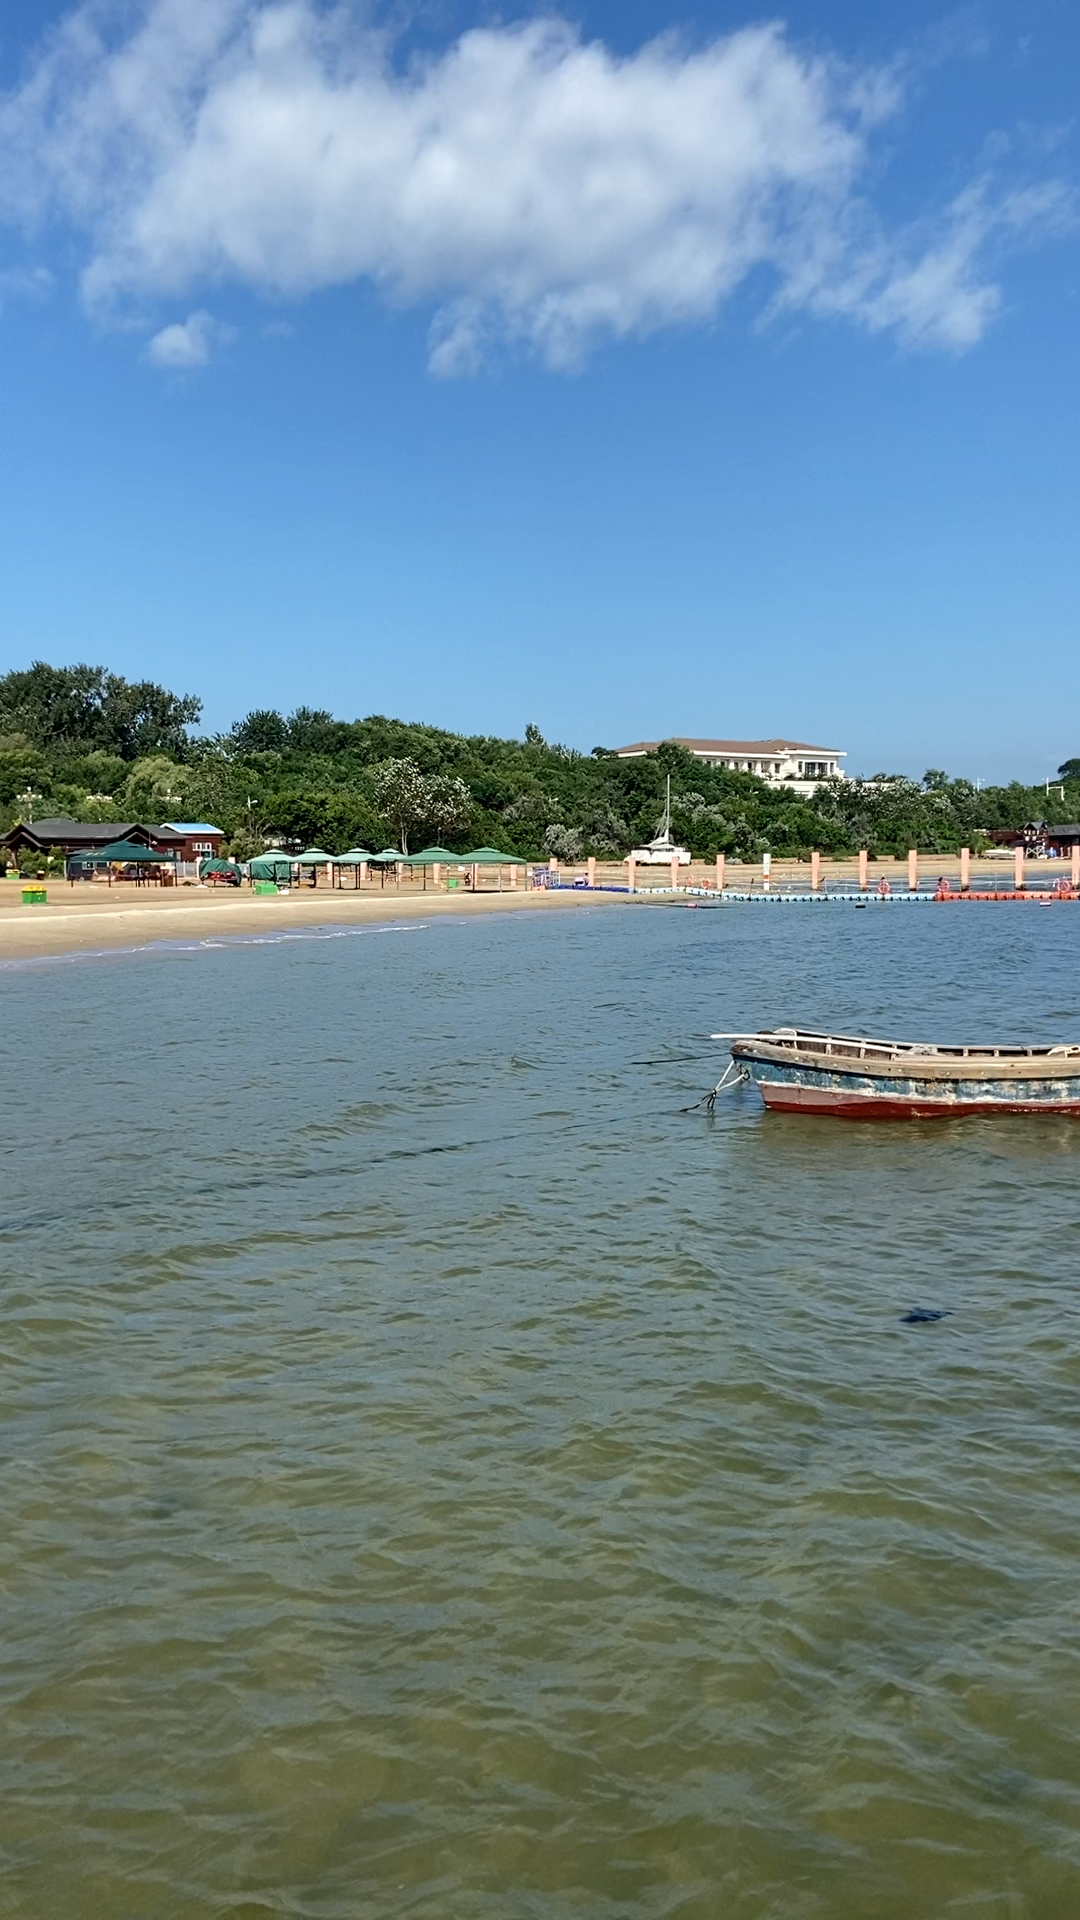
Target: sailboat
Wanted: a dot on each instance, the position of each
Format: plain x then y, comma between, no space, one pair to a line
661,850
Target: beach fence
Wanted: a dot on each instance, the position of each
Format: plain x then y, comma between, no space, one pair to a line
888,876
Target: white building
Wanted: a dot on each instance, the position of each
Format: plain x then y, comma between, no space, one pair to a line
783,763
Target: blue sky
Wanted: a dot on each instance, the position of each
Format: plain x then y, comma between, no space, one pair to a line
478,368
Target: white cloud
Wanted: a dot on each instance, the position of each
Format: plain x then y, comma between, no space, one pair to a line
184,344
532,186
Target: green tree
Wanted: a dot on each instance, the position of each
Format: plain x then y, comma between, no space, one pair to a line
90,707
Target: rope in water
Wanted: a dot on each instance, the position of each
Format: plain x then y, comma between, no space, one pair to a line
732,1077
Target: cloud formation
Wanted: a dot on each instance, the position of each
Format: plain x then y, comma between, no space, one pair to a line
184,344
532,186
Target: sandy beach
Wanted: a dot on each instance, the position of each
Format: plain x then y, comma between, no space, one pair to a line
91,919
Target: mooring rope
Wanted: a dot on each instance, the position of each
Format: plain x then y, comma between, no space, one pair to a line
732,1077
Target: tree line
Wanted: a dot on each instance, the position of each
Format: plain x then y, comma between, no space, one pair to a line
84,742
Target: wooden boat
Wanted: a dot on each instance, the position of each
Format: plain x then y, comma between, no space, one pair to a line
854,1078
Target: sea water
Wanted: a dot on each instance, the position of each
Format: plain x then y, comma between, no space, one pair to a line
444,1478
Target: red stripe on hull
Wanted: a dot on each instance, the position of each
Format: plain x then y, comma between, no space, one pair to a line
874,1106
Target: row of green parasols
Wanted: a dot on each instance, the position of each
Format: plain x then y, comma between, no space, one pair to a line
266,866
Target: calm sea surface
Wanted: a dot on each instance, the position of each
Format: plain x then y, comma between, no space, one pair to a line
442,1478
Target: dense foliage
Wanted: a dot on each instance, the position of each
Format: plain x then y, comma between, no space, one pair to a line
84,742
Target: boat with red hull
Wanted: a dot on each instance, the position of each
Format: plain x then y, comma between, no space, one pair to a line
851,1077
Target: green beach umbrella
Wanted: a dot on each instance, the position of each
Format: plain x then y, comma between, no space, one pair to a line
355,857
490,857
127,850
313,857
389,853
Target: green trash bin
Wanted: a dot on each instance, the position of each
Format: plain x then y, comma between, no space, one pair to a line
34,896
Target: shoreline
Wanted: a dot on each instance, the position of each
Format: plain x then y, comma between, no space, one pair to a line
114,921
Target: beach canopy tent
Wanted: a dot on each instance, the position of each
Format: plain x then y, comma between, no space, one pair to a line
124,851
213,865
388,856
313,857
490,857
434,857
356,858
272,865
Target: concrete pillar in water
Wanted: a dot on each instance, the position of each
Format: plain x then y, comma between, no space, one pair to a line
965,869
863,878
720,872
912,869
815,870
592,870
631,873
674,870
766,871
1075,866
1018,869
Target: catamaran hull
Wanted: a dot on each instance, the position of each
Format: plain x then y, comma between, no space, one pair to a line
848,1096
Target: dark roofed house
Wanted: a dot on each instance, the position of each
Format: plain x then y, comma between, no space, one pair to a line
68,837
61,835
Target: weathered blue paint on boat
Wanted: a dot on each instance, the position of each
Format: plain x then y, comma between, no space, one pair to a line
855,1078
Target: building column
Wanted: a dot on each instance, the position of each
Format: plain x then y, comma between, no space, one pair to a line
912,869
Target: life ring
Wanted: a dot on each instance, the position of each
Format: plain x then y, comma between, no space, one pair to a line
1063,889
884,889
943,888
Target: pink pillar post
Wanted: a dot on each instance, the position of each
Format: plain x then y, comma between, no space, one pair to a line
766,871
435,873
591,870
1075,866
720,873
631,874
1018,869
815,870
965,869
514,871
363,873
553,866
674,870
475,878
912,869
863,875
